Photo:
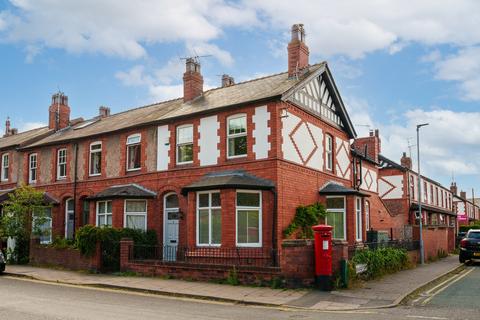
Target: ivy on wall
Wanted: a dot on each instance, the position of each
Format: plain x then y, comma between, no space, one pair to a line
305,218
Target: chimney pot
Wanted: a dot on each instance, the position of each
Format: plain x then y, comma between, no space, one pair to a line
7,127
463,194
227,81
297,52
103,111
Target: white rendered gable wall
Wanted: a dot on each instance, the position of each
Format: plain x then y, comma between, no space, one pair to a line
208,141
261,133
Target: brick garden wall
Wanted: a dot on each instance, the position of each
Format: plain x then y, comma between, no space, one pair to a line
436,239
67,258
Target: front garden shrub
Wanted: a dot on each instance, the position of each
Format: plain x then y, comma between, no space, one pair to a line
381,261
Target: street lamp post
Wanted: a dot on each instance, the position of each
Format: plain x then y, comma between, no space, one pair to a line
419,179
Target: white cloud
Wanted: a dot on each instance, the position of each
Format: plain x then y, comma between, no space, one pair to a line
116,27
134,77
462,67
205,49
25,126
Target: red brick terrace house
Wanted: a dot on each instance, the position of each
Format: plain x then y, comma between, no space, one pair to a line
222,169
466,209
398,189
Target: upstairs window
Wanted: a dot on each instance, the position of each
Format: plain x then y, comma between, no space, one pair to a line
96,159
5,166
412,187
134,152
328,152
237,136
185,144
431,194
32,168
61,164
425,192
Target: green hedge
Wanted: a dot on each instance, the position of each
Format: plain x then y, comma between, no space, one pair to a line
381,261
87,237
466,228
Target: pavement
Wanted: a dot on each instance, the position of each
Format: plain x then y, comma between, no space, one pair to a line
386,292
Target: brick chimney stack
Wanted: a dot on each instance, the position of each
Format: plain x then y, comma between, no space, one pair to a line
192,80
406,161
372,143
463,194
297,51
103,112
7,127
453,188
59,112
227,81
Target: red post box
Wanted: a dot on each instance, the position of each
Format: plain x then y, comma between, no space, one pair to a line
323,256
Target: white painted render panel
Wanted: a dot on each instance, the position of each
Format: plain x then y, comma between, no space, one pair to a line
302,142
369,180
163,146
343,161
261,132
208,141
390,187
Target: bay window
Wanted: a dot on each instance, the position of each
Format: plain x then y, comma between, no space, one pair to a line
134,152
336,216
104,213
358,219
185,144
96,159
42,226
249,218
209,219
136,214
237,136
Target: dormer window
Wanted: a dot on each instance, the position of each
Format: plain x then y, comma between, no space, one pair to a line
237,136
61,164
185,144
134,154
96,159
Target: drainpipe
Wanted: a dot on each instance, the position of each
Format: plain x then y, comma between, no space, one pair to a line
75,146
274,229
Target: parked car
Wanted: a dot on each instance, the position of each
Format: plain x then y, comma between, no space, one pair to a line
2,262
470,246
459,238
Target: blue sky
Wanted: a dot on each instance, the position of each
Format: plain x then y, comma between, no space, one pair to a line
395,65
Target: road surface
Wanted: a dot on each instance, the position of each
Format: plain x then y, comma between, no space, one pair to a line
28,299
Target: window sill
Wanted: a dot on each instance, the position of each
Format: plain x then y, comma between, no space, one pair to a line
94,175
209,245
133,170
237,157
249,245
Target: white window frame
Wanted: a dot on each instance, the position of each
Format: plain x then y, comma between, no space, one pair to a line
32,179
49,220
178,145
328,152
128,145
96,143
236,135
5,166
358,219
367,215
59,164
336,210
67,213
260,218
106,214
210,208
125,213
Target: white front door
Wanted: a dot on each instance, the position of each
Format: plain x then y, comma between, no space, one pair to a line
170,227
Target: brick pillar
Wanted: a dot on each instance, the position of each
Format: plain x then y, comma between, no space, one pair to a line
126,247
96,259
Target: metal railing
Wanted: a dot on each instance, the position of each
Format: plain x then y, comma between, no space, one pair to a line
255,257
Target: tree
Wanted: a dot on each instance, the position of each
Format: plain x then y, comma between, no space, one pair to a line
23,215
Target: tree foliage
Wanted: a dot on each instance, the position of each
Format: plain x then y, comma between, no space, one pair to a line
305,218
24,205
